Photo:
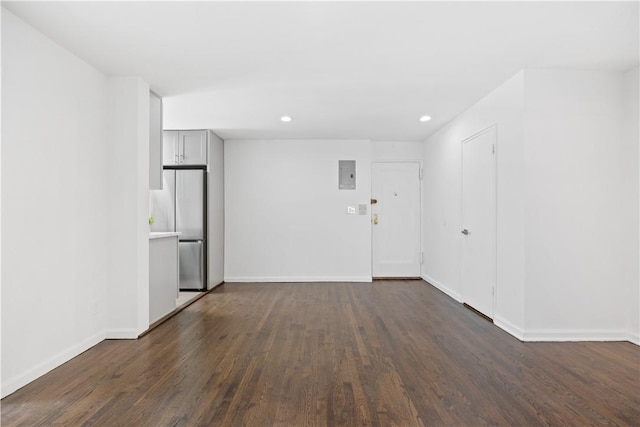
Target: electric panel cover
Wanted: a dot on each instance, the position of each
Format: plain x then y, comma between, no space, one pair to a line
347,174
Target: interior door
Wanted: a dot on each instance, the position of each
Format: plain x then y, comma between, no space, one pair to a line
478,229
395,213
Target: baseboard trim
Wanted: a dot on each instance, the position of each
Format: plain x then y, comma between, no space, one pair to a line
546,335
13,384
573,335
509,327
122,334
297,279
453,294
634,338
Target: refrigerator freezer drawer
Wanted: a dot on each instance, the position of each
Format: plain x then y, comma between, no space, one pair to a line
191,265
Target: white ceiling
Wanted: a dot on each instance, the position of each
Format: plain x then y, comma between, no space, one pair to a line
340,69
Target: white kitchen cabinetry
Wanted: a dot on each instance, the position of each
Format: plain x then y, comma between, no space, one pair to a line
215,211
155,142
169,147
163,274
185,147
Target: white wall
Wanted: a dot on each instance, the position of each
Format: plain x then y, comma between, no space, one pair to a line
54,201
285,217
581,206
631,129
442,187
397,151
567,205
215,198
75,183
128,197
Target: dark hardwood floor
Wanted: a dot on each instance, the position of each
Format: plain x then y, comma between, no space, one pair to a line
391,353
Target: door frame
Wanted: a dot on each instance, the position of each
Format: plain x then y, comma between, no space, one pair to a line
493,127
420,210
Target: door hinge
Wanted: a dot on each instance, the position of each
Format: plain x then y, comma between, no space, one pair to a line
493,148
420,173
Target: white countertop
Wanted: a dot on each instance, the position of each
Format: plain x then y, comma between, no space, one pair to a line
161,234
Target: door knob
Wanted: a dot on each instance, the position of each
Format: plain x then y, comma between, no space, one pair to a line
375,218
465,231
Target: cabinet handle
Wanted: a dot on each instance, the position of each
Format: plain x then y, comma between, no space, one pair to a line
181,157
177,161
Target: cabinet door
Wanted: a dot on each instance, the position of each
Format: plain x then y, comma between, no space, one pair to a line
170,147
155,142
163,276
193,147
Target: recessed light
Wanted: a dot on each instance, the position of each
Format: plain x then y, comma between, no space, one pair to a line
425,118
285,118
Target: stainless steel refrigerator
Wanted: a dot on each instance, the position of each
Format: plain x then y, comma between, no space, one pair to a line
181,206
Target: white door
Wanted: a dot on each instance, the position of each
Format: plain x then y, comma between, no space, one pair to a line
479,221
395,212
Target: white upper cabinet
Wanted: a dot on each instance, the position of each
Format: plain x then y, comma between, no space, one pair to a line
193,147
170,147
155,142
185,147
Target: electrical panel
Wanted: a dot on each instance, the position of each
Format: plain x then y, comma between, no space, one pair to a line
346,174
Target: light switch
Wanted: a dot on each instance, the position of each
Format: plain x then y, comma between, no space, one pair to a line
351,210
362,209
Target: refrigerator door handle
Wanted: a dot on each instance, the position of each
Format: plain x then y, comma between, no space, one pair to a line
175,202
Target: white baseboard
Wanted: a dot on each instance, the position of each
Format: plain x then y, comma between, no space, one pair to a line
572,335
453,294
633,338
564,335
549,335
509,327
12,384
306,279
122,334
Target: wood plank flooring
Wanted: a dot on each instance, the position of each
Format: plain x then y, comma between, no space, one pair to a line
390,353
